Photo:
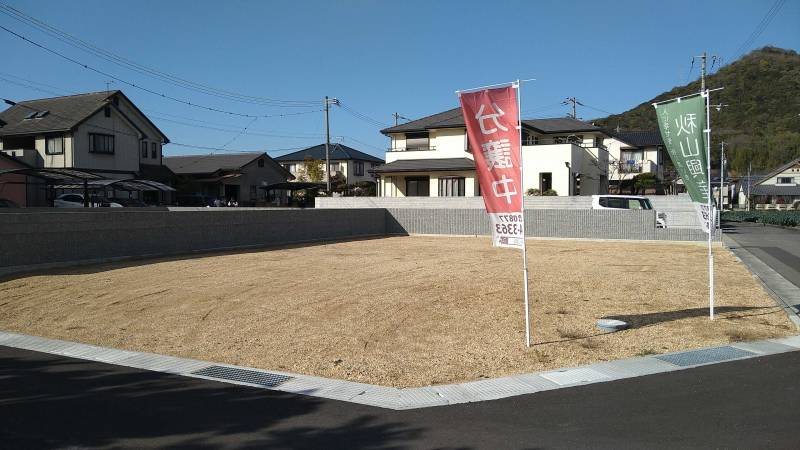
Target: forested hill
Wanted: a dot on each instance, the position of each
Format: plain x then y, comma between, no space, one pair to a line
762,120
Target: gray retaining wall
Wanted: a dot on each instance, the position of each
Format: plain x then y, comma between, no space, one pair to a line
30,239
558,223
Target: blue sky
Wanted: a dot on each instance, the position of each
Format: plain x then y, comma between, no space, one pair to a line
377,57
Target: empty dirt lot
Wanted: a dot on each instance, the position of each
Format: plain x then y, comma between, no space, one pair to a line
402,311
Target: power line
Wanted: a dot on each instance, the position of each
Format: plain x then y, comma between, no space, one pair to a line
28,86
143,69
249,132
203,147
134,85
765,21
240,133
362,116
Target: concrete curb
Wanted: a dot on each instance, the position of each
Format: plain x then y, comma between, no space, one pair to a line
408,398
783,292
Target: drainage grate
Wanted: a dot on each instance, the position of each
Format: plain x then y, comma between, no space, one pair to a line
245,376
704,356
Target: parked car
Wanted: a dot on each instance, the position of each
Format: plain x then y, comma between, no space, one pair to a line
129,202
76,201
628,202
6,203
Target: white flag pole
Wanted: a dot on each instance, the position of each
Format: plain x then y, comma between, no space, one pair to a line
711,214
517,86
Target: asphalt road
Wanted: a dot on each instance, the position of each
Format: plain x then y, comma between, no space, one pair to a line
54,402
777,247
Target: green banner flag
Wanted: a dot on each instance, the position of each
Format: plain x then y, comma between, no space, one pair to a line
683,123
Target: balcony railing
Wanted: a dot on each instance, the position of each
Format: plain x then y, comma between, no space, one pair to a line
413,149
626,167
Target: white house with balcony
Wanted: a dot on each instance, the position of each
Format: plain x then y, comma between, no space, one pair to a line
431,156
631,153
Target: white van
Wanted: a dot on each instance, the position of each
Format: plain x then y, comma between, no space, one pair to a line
628,202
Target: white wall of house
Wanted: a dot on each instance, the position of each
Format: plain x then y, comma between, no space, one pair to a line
651,160
394,185
792,175
345,167
446,143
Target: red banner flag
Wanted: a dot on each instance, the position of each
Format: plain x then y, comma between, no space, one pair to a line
492,119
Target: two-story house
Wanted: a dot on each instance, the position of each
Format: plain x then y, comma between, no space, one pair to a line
352,164
101,132
631,153
431,156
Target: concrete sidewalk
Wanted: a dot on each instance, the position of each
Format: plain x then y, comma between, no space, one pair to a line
773,256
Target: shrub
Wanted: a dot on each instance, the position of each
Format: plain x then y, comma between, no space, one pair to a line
782,218
550,193
533,192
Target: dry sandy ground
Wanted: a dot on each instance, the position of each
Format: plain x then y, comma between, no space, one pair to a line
404,311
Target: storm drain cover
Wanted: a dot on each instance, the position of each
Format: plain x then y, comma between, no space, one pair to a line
242,375
705,356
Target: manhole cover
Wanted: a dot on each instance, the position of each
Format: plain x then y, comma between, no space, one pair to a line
243,375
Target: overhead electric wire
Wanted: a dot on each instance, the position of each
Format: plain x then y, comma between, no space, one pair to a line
39,83
28,86
230,130
362,116
134,85
762,25
203,147
143,69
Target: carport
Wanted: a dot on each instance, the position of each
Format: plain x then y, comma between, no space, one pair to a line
56,178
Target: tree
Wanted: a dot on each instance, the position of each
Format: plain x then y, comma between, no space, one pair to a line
312,169
643,181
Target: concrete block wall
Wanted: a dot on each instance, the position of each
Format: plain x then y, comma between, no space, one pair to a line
557,223
38,238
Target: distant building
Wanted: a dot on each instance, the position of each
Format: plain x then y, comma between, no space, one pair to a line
432,157
353,164
234,176
778,189
631,153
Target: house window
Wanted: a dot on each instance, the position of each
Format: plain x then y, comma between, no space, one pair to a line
631,161
261,162
101,143
335,167
451,187
359,169
144,149
253,192
54,145
107,111
785,180
153,150
418,141
598,141
418,187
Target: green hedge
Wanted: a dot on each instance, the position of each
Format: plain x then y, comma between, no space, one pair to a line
783,218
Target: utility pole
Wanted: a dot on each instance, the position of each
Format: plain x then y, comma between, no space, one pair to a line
397,118
327,172
574,101
714,59
749,182
721,175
